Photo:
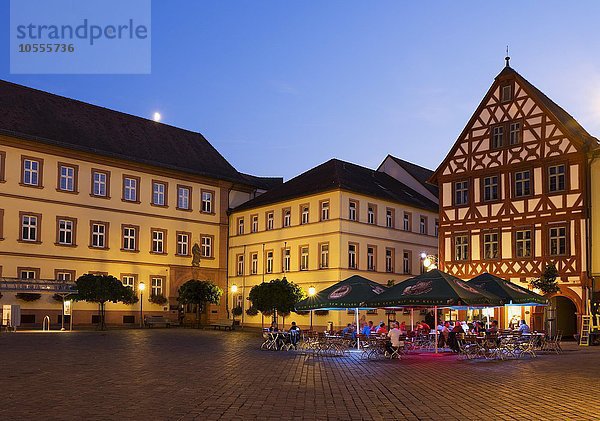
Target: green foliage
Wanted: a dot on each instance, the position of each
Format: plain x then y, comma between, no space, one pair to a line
58,298
199,292
101,289
391,282
158,299
276,295
547,282
130,296
28,296
237,311
251,311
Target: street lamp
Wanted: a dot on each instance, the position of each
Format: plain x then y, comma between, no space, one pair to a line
311,292
234,289
429,261
142,287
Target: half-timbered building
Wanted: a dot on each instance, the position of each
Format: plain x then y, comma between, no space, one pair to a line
514,193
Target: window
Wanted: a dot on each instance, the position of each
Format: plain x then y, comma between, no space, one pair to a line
158,241
514,133
406,258
130,188
352,256
389,218
371,214
183,197
29,273
352,211
66,231
157,285
558,241
497,137
490,188
254,263
99,234
128,281
490,245
370,258
240,264
556,178
304,214
324,211
423,225
100,183
436,228
206,246
254,226
240,225
461,247
522,183
270,261
67,177
159,193
523,243
286,259
130,235
270,220
183,243
389,260
207,201
461,193
506,93
32,171
304,258
406,225
64,275
324,256
287,217
30,227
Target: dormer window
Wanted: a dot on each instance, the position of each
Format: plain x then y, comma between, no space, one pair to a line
506,93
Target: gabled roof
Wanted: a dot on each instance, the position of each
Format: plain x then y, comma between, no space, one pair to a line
55,120
264,183
421,174
566,121
335,174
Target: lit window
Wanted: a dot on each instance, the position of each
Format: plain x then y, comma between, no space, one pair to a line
490,246
523,243
461,247
558,241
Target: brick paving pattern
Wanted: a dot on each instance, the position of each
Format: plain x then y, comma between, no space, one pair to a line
173,374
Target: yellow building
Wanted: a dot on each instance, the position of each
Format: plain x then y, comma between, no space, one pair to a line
86,189
333,221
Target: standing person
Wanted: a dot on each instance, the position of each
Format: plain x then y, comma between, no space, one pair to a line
294,335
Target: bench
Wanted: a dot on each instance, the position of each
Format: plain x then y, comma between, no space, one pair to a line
222,324
151,321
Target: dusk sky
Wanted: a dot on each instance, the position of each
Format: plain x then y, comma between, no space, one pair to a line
281,86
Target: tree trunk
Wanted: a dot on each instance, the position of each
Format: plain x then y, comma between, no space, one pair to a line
198,315
102,323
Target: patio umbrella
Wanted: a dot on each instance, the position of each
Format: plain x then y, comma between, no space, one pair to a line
352,292
434,289
510,293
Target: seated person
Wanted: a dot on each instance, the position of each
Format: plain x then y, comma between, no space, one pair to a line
444,336
347,330
423,327
382,329
402,328
523,327
494,327
366,330
394,343
453,336
273,327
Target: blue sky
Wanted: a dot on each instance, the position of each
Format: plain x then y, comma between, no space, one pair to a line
281,86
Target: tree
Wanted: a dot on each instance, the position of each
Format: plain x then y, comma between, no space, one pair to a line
547,282
102,289
28,296
199,293
277,295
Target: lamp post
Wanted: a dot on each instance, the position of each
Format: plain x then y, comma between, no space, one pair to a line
142,287
311,292
429,261
234,290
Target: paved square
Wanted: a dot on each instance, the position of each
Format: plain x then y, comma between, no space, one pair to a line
184,374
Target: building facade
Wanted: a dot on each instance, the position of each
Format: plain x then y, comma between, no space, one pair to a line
329,223
89,190
515,195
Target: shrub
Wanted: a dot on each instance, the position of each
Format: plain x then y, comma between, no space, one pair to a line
237,311
251,311
158,299
28,296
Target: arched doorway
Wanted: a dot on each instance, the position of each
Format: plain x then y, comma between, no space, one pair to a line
565,316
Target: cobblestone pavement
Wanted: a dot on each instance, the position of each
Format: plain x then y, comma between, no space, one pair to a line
185,374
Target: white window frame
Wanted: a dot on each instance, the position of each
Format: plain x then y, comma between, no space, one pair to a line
130,189
207,202
159,196
254,263
67,178
270,261
156,285
129,238
352,256
324,256
183,198
304,257
158,241
29,228
325,211
100,183
65,232
206,246
31,172
99,235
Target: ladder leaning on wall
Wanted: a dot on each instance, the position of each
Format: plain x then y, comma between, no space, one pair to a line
584,337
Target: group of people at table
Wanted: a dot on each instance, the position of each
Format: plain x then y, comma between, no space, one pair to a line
447,331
